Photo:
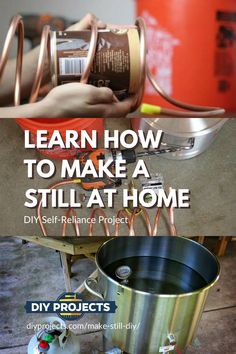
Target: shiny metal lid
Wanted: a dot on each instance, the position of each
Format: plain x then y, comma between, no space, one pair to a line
183,126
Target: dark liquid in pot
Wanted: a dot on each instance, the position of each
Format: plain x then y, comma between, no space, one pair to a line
158,275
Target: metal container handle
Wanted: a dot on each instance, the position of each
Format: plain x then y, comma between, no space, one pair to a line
87,284
175,148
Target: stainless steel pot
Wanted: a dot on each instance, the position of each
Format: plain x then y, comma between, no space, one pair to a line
165,302
180,131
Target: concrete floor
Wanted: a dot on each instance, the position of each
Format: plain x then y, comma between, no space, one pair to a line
210,177
30,272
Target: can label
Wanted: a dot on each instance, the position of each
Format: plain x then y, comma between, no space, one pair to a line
225,64
116,63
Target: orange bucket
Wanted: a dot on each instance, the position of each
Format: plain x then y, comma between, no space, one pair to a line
192,50
61,124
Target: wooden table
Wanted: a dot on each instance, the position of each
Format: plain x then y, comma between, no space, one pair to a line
221,246
82,247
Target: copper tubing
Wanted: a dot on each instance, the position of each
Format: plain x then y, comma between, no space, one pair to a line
156,222
16,25
196,111
99,212
171,215
146,220
91,52
121,213
44,55
44,52
137,100
39,207
151,230
131,218
173,230
75,223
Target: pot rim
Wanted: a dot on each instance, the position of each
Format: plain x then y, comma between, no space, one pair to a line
196,292
156,125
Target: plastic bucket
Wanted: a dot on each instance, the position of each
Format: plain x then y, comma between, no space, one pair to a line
192,50
61,124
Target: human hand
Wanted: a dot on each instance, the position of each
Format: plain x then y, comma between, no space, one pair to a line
85,100
82,100
85,23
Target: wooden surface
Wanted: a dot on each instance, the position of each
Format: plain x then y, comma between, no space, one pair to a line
69,248
222,245
87,246
69,245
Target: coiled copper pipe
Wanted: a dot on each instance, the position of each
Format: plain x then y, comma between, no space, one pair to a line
101,212
39,208
75,223
18,26
131,218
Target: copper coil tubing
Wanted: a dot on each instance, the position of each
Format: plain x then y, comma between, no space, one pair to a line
17,26
131,216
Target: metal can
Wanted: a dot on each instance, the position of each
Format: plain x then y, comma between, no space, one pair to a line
116,63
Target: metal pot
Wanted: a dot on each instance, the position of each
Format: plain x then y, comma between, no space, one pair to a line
156,285
181,132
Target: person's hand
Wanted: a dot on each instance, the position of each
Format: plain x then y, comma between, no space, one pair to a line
82,100
85,23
